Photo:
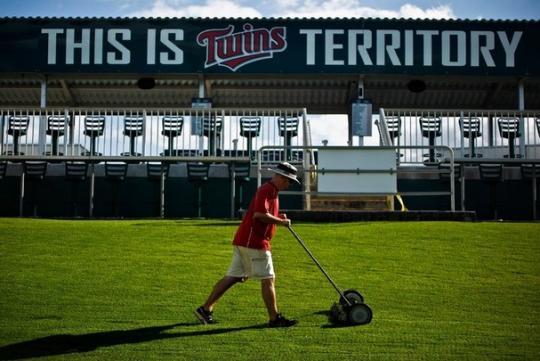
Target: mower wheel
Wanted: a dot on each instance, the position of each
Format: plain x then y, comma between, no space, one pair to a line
359,314
353,296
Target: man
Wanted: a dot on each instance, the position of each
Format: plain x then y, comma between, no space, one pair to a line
252,257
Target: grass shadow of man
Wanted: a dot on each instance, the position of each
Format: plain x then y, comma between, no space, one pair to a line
66,344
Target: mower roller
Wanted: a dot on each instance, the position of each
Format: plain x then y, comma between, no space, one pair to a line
351,309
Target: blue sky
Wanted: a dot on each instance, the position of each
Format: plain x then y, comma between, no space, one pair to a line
472,9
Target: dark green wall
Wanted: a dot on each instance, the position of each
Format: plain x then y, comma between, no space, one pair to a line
512,199
136,197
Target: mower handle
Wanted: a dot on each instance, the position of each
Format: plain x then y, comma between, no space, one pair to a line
318,264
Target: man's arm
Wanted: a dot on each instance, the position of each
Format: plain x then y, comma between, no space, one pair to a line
268,218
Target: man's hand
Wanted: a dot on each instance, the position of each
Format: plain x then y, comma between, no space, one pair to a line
284,220
268,218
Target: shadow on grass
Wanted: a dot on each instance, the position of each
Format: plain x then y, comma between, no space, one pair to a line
232,223
324,313
339,325
67,344
331,324
327,314
191,222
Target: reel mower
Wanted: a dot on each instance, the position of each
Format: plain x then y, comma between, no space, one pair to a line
350,309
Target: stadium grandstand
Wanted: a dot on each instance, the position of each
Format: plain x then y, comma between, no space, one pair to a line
181,117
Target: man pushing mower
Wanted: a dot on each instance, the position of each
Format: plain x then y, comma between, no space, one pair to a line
252,257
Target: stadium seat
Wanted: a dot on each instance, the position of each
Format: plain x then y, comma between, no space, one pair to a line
241,172
93,128
509,129
491,174
156,171
133,128
250,128
288,128
3,169
34,173
471,127
431,129
532,172
116,172
171,128
211,128
56,128
198,175
393,124
444,171
17,127
76,173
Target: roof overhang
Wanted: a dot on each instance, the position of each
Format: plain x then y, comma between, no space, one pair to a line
324,94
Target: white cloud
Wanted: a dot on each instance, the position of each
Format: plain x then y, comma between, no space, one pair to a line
438,12
346,9
287,8
283,4
210,8
334,128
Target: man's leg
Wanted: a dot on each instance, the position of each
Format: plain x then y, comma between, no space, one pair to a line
236,268
219,289
269,297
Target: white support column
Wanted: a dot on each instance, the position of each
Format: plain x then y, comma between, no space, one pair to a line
71,127
201,86
43,99
461,166
146,126
360,95
233,187
521,107
92,189
162,191
2,117
201,95
307,161
21,194
42,137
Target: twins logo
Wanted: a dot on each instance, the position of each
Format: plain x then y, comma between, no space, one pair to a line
234,50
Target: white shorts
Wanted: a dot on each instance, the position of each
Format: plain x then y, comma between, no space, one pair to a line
252,263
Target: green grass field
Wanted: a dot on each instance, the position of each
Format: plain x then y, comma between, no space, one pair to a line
125,290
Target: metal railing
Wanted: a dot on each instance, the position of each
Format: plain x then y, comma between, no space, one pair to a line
147,134
470,133
310,174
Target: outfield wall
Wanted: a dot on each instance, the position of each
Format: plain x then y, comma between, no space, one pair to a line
138,197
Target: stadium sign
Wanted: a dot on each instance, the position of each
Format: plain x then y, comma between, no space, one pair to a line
299,46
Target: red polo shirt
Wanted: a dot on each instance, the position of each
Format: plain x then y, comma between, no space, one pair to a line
253,233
